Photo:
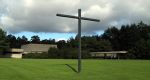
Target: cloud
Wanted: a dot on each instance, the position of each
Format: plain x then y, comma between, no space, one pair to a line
40,15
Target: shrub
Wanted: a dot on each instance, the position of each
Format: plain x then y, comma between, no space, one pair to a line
67,53
36,55
141,50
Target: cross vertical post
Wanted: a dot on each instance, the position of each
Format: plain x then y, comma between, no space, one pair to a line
79,17
79,39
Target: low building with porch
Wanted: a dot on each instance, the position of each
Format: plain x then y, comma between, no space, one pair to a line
110,55
16,53
26,49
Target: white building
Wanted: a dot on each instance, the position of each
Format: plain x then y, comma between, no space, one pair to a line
14,53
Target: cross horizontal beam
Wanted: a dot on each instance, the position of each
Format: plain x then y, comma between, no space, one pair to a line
75,17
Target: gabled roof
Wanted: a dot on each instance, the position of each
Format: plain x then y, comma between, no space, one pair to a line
110,52
37,47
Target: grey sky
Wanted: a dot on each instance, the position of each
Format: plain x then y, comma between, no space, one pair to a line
40,15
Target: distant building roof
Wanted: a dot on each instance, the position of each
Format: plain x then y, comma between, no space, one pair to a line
16,50
29,48
110,52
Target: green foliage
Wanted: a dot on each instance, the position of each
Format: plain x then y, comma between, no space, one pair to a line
91,43
3,43
16,42
126,37
54,53
12,41
48,41
133,38
141,50
67,53
62,44
35,39
36,55
96,46
112,34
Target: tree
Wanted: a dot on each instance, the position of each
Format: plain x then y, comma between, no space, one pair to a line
16,42
95,43
12,41
3,43
24,40
48,41
144,30
112,34
61,44
73,42
129,35
141,50
35,39
126,37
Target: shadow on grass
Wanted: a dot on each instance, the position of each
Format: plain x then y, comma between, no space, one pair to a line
71,68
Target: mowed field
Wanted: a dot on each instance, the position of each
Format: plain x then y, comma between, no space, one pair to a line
57,69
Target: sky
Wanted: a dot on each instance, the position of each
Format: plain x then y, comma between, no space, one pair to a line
38,17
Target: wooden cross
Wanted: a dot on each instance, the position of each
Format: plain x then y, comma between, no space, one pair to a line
79,32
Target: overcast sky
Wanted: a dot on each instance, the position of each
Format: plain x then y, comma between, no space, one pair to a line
40,15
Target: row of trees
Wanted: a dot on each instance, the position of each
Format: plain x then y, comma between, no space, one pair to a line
134,38
92,43
16,42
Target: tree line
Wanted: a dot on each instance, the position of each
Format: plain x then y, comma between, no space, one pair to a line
134,38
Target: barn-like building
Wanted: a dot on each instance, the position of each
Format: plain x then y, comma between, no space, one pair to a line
37,48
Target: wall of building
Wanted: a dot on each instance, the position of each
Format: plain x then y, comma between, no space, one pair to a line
16,56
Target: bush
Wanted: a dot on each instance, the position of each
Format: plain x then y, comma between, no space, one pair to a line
141,50
67,53
36,55
53,53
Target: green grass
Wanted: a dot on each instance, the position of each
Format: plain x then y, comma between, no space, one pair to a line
55,69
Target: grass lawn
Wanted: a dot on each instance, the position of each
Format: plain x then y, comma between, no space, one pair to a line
56,69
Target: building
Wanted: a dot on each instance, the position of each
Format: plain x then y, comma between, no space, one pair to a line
37,48
25,49
16,53
12,53
111,54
